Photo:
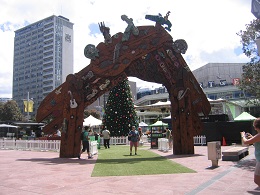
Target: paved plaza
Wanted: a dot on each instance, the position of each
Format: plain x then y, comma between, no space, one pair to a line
35,172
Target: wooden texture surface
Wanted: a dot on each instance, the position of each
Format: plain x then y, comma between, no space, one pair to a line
149,56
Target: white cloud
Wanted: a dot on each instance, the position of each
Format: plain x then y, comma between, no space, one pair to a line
6,63
208,26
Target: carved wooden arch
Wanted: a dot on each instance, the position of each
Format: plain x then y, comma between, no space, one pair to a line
150,55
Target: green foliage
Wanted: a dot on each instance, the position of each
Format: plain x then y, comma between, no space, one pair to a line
1,110
117,162
248,38
33,119
120,113
250,82
94,113
10,111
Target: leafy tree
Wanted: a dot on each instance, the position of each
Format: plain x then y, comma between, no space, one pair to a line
11,112
1,110
251,71
92,112
120,113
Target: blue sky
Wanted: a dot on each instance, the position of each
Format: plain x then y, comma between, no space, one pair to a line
208,26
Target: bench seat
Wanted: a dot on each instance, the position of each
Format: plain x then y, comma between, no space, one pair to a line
235,153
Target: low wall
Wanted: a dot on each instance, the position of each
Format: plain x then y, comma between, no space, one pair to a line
215,131
230,130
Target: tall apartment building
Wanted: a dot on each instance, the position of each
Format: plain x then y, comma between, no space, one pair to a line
43,57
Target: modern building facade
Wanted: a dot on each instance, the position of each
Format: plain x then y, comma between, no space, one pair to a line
43,57
219,82
146,91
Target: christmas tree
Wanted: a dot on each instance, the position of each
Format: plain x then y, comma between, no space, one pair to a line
120,114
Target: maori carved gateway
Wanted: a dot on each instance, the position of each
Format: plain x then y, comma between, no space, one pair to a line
146,52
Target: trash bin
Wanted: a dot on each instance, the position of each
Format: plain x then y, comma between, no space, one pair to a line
95,138
98,141
154,139
214,152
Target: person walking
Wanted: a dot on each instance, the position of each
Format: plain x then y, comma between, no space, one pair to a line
247,138
106,137
134,138
85,143
140,133
169,137
58,133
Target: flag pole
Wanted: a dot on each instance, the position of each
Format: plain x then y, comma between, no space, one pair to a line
28,106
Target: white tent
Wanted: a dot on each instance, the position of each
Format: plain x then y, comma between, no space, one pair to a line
168,103
244,117
8,126
159,124
168,117
91,121
143,124
156,107
5,126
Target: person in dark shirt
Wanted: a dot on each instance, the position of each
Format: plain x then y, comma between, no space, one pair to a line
134,138
85,143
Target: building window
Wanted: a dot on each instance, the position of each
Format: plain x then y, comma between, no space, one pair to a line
68,38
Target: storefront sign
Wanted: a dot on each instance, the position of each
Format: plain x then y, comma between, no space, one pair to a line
211,84
222,82
236,81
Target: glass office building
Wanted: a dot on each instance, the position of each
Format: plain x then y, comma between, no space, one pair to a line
43,57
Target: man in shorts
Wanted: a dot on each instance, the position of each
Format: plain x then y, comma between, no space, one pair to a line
134,135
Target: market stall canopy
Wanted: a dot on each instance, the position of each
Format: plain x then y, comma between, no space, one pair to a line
143,124
8,126
155,107
158,124
244,117
91,121
159,103
168,117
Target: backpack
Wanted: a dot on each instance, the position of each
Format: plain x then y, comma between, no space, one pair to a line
134,135
82,135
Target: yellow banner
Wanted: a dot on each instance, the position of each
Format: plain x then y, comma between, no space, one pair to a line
29,105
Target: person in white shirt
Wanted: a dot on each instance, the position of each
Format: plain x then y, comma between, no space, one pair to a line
32,133
58,133
106,137
169,137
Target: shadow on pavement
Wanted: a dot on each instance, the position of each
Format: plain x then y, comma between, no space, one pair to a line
51,161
